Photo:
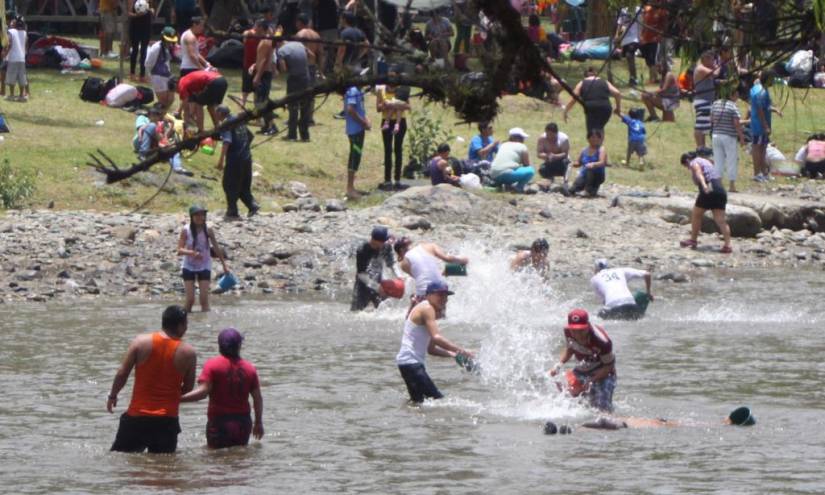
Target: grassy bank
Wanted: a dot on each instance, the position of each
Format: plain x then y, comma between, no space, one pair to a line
54,131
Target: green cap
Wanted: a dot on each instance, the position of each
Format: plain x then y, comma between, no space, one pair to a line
196,209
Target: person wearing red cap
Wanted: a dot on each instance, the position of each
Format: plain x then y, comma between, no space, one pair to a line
593,350
228,381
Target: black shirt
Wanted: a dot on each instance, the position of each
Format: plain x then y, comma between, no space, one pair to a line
325,15
372,261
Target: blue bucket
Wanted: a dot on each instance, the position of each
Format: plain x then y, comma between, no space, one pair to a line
227,281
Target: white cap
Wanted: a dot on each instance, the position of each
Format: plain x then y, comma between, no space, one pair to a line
518,131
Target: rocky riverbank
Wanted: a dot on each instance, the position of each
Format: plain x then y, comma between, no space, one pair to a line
46,255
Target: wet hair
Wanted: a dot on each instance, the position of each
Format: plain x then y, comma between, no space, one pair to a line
402,243
540,244
482,126
595,132
551,127
533,20
687,157
173,317
302,18
443,148
816,137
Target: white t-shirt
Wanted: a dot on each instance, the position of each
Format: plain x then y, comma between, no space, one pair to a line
17,38
186,61
611,285
632,31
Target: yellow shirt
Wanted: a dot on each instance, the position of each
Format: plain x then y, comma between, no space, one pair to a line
384,94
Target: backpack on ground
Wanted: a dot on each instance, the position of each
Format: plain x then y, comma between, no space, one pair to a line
93,90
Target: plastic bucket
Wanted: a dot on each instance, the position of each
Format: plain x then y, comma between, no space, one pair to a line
227,281
742,417
455,270
393,288
574,385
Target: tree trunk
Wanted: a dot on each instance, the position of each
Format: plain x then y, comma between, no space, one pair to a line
600,21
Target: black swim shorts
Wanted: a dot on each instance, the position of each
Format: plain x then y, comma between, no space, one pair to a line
228,430
157,434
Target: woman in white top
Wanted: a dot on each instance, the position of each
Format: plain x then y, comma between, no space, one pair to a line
195,245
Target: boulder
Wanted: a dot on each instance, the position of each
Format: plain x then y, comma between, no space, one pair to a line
335,205
743,221
445,204
308,203
124,233
298,189
414,222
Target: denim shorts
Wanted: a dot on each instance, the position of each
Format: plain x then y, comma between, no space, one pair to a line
189,275
601,394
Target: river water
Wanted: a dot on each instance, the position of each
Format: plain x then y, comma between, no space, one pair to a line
336,414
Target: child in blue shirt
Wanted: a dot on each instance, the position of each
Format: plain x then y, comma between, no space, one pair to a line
635,135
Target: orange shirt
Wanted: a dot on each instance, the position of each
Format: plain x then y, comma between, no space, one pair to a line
654,22
158,382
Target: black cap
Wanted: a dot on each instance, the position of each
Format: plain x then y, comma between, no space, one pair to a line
380,234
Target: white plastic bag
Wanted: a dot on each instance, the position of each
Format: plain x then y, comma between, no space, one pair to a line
120,95
470,181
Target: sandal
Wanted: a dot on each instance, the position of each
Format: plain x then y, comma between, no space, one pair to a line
688,243
726,250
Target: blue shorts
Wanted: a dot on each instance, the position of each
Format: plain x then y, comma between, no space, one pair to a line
760,139
419,384
203,275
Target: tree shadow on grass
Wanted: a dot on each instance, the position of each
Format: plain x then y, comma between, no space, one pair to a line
23,117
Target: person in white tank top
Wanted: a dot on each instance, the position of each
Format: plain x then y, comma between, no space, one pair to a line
190,58
422,262
421,337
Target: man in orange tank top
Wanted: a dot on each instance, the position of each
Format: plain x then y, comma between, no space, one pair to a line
164,370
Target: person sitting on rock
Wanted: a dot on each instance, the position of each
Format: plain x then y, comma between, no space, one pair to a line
610,285
554,148
593,163
811,157
441,172
512,163
535,258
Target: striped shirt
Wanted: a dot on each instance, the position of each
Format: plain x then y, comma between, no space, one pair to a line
722,115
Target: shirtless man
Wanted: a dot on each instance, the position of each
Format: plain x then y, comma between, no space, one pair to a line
262,72
164,370
535,258
421,337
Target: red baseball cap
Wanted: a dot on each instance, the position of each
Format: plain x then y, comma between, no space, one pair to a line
578,319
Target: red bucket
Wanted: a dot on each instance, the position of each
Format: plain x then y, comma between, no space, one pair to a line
393,287
574,385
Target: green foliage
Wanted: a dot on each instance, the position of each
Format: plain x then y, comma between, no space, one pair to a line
15,186
425,134
819,13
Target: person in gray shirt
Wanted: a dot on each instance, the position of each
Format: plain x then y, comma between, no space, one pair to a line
292,59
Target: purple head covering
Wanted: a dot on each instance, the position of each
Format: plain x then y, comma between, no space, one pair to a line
229,342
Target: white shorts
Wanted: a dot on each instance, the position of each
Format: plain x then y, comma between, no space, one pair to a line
16,73
160,84
726,155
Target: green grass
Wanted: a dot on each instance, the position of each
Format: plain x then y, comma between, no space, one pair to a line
53,133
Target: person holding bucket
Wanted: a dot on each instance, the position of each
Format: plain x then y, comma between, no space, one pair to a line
595,375
422,264
196,244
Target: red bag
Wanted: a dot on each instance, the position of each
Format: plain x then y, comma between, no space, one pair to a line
393,288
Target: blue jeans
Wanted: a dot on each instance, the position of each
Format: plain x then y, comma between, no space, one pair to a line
519,176
601,394
419,384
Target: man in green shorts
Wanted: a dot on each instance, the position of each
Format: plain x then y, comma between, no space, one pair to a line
357,123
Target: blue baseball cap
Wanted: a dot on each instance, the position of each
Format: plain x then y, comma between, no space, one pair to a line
437,287
380,234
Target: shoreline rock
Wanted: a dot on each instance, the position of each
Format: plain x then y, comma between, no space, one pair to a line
48,255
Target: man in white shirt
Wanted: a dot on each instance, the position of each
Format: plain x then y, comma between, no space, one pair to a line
610,285
15,57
